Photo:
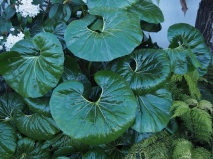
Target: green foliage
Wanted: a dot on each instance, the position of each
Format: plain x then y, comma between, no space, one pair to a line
182,149
196,120
195,127
86,74
155,147
190,90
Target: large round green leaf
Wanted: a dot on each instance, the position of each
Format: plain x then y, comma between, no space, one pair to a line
119,35
8,104
34,67
189,36
109,3
147,11
35,126
153,111
30,149
145,70
97,122
73,72
8,140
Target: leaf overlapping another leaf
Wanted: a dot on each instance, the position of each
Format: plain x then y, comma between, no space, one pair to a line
153,111
8,140
150,73
120,34
34,67
96,122
197,51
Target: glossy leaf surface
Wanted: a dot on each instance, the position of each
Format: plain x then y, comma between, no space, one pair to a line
64,151
62,140
36,126
97,122
8,140
52,26
147,11
109,3
34,67
39,105
29,148
149,72
192,38
180,63
96,154
120,34
8,104
153,111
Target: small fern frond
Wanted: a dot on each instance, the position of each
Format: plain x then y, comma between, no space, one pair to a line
202,125
159,150
176,78
182,149
192,79
205,105
179,108
202,79
154,147
191,102
201,153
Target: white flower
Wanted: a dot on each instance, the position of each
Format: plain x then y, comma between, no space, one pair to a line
12,29
26,8
1,37
12,39
1,47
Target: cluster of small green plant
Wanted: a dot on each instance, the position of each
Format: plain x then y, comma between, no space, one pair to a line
79,79
188,135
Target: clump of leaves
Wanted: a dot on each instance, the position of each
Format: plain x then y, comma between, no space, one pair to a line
85,74
185,86
188,141
196,117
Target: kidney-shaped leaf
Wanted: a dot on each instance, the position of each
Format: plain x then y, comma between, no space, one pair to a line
153,111
97,122
109,3
147,11
29,148
192,38
34,67
8,140
147,72
9,103
35,126
119,35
